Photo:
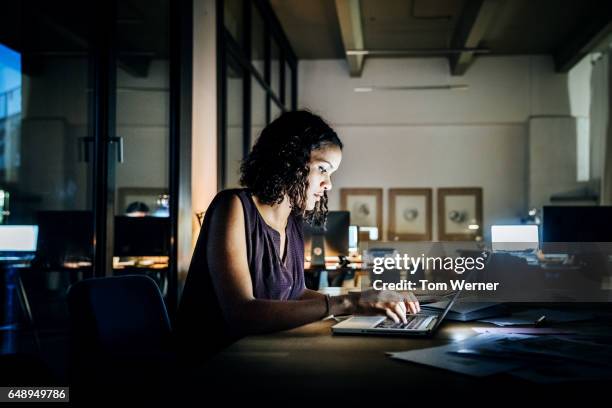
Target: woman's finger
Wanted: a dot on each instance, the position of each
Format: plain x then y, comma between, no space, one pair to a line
400,312
412,307
403,306
410,298
392,315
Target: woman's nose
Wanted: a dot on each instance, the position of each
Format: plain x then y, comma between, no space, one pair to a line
326,183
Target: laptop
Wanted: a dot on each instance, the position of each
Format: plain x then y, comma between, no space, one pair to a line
424,323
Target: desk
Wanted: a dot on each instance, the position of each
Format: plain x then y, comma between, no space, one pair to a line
311,362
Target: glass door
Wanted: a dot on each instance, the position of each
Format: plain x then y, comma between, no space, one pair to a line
139,154
85,148
47,152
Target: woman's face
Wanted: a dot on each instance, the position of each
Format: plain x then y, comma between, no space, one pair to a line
323,162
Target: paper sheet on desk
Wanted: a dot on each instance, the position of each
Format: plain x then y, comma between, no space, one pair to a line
550,347
530,316
521,330
448,357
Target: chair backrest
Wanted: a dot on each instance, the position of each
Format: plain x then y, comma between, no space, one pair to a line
122,315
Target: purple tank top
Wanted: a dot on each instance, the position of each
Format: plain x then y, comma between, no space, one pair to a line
200,321
273,277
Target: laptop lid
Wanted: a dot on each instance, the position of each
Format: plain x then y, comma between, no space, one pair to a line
446,309
487,255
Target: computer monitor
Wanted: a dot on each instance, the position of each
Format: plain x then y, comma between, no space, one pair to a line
353,242
577,224
329,242
142,236
514,238
18,241
64,236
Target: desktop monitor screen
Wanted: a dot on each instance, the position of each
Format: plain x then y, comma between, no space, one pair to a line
142,236
18,238
353,242
577,224
64,236
514,237
335,236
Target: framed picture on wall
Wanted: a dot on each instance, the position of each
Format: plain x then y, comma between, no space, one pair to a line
460,214
365,206
410,217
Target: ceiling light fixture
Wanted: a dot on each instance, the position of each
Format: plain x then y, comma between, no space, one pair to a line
418,52
458,87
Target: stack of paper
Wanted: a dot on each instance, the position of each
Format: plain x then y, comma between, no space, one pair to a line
449,357
540,359
530,316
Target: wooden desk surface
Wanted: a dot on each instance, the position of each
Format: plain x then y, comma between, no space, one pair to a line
311,362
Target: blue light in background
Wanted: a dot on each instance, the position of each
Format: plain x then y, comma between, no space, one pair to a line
10,82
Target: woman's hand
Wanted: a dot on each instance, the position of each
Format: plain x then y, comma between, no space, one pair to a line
395,305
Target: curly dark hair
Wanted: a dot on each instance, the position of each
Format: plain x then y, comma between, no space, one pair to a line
278,163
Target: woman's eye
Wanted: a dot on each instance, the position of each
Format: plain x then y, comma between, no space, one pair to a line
322,169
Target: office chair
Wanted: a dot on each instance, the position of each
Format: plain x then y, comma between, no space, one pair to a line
120,332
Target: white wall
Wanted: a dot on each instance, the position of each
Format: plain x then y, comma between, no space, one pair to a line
204,122
553,160
441,138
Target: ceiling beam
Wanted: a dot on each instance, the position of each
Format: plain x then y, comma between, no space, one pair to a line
589,38
469,32
351,30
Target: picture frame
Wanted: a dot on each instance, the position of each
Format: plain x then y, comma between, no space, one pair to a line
460,213
365,206
410,214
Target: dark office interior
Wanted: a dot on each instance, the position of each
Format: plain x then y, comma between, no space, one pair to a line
467,125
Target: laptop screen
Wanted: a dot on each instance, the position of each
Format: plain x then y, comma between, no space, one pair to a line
514,237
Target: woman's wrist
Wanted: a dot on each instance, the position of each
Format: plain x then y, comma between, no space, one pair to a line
341,305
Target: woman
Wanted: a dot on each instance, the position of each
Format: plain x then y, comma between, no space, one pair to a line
247,271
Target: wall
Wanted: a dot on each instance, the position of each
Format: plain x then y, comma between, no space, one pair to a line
204,108
441,138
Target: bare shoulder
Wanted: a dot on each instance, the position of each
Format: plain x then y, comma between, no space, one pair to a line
228,211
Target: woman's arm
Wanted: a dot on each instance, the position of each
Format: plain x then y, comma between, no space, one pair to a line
227,261
228,264
311,294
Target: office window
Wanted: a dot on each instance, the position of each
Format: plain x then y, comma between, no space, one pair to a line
275,110
258,49
275,70
258,109
257,80
234,129
288,88
233,19
10,116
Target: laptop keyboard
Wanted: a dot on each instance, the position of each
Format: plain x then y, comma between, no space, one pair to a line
412,322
